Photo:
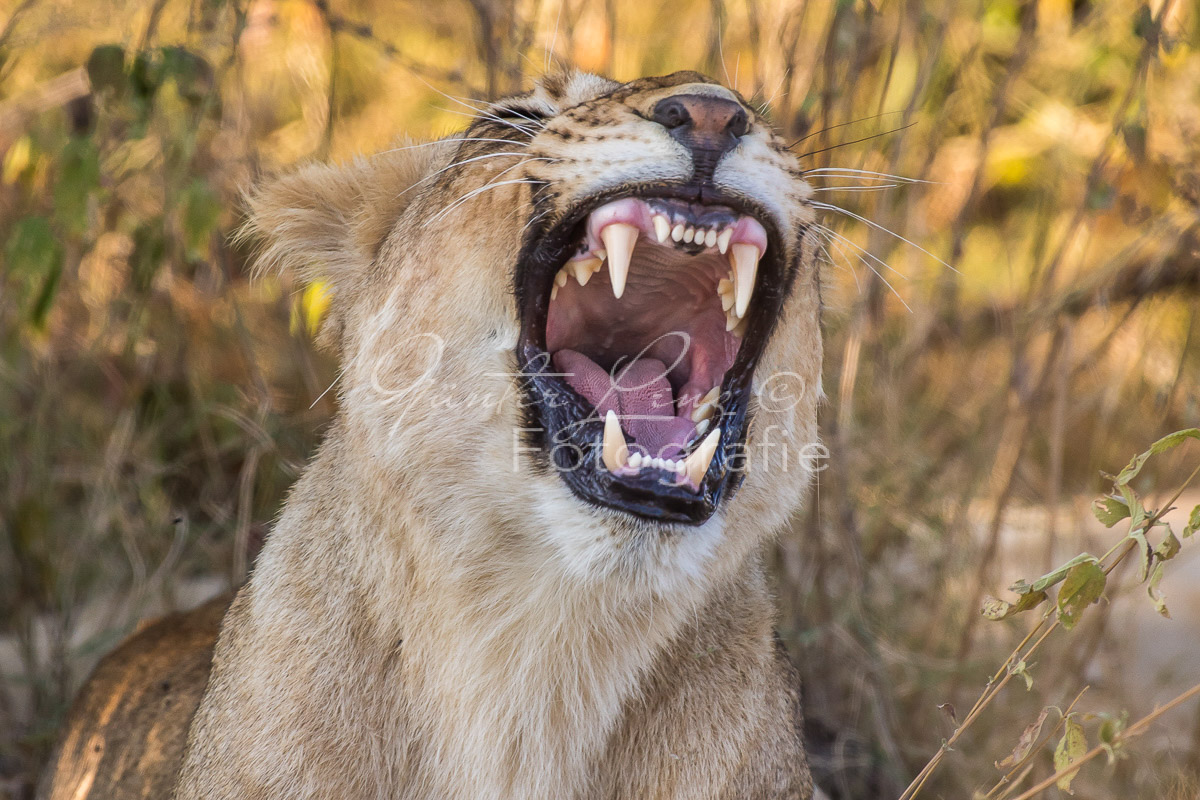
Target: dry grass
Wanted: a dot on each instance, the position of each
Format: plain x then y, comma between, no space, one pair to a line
155,405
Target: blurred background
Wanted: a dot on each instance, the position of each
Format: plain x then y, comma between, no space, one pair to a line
155,403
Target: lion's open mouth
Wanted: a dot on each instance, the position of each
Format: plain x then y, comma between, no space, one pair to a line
643,319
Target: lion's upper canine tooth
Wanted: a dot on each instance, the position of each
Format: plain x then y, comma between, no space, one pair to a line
662,228
745,267
619,240
723,240
697,463
615,452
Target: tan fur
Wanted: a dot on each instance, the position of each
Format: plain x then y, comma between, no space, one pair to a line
435,615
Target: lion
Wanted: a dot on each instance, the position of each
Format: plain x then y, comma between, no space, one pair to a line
580,370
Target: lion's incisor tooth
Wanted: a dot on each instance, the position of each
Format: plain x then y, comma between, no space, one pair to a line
745,268
619,241
677,232
710,238
615,451
662,228
723,240
697,463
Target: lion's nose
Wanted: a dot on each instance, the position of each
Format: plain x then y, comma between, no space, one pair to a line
700,122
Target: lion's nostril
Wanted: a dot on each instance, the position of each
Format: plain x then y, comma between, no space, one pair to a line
671,113
739,126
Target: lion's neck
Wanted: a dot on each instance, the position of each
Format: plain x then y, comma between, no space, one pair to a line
521,675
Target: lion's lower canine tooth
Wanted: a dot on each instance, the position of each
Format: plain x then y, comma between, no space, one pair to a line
697,463
745,267
615,452
723,240
619,241
662,228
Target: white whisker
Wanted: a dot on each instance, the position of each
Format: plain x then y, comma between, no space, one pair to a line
852,174
867,264
855,188
468,161
452,140
877,226
860,248
475,192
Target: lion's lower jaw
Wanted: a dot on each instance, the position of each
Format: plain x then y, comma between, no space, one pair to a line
501,676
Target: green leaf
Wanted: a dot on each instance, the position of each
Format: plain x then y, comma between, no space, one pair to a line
201,212
32,249
1159,600
106,69
1110,729
1021,670
1070,749
996,609
1145,554
1161,446
1110,510
1168,548
78,179
1193,523
1083,586
1051,578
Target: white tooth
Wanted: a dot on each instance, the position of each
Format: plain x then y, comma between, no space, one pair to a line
677,232
635,460
723,240
739,330
616,453
689,234
560,278
662,228
656,463
619,241
697,463
702,426
745,267
725,292
710,238
706,405
731,321
554,292
585,268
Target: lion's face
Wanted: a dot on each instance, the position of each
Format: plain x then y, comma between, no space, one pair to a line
596,323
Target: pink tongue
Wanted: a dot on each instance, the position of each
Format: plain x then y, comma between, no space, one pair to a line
639,393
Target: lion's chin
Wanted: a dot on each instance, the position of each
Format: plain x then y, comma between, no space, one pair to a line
643,318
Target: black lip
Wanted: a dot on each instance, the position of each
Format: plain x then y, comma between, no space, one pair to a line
562,425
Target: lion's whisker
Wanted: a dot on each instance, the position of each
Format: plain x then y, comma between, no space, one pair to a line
857,246
877,226
468,161
867,264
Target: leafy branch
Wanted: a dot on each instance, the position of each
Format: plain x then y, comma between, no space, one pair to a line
1081,581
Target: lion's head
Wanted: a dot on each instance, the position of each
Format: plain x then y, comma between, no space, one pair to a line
586,329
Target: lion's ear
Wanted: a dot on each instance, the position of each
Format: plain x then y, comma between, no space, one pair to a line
327,222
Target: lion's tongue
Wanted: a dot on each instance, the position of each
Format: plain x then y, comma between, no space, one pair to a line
640,395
